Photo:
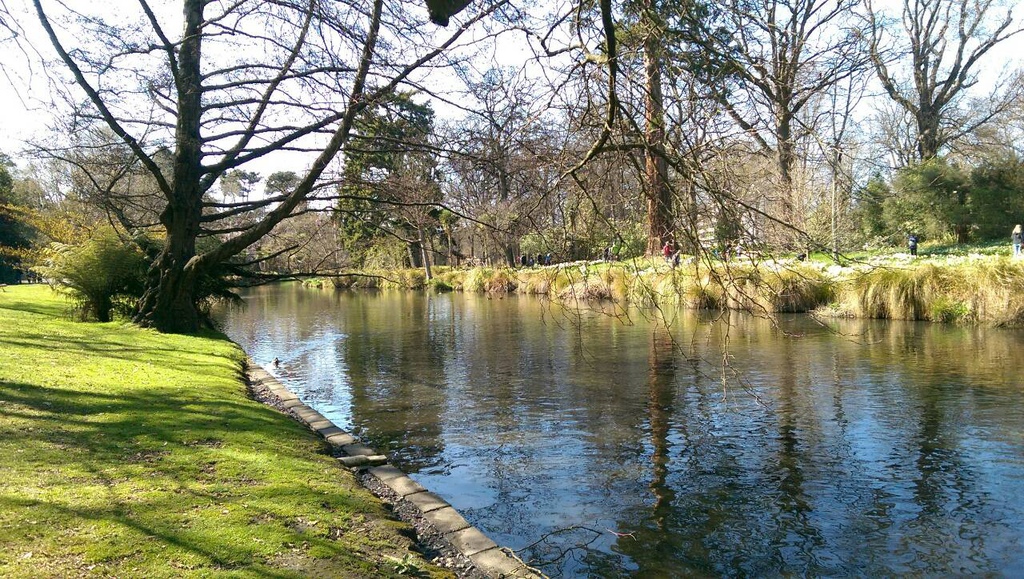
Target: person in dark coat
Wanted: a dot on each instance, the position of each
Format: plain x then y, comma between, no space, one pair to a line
912,242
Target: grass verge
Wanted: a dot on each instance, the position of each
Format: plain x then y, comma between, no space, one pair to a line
129,453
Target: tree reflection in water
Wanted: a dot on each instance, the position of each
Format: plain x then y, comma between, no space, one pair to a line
867,448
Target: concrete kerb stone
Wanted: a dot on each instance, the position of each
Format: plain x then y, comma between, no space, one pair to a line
484,553
256,373
338,441
329,431
386,473
319,425
309,416
427,501
362,460
498,563
471,541
405,486
447,520
357,449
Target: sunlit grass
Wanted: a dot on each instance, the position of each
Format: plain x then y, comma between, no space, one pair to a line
961,289
129,453
960,285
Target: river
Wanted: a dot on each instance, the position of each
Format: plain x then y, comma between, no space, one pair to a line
610,443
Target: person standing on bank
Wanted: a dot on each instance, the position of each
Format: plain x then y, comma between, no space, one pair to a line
912,242
1017,237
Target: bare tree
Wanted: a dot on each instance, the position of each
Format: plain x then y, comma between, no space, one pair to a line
237,82
928,59
894,131
501,163
783,55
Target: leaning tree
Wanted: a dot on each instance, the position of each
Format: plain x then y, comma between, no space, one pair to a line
197,89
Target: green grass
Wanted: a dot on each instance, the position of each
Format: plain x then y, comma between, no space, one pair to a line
125,452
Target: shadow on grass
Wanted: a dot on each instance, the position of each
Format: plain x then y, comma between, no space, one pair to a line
57,310
145,353
165,464
102,422
208,546
123,442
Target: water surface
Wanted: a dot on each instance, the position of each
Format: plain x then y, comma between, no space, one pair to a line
612,444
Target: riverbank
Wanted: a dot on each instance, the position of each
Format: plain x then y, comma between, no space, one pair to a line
126,452
970,288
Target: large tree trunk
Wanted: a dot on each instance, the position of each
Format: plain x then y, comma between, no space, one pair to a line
510,254
786,161
424,253
169,302
659,197
928,141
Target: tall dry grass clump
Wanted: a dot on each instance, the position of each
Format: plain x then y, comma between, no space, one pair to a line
546,281
891,293
988,290
588,289
960,289
702,289
768,287
320,283
618,282
490,280
450,279
650,286
642,289
794,289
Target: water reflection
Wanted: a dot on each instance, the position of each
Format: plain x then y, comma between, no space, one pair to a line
863,448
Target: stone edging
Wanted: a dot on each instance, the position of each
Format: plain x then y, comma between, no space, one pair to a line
484,556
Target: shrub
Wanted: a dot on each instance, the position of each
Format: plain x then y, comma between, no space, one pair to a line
439,285
103,274
944,309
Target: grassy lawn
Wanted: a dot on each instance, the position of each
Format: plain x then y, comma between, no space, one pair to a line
124,452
